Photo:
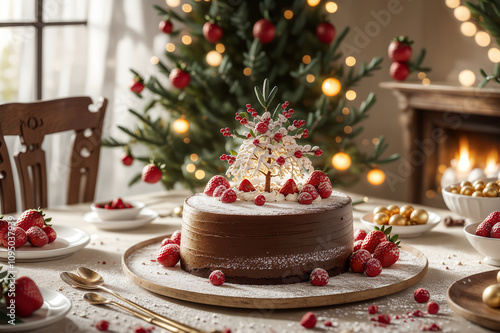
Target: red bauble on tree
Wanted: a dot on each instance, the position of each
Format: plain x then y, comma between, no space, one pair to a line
400,49
179,78
166,26
325,32
264,31
212,32
399,71
137,85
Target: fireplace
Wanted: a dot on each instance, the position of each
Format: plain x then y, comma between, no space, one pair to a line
451,134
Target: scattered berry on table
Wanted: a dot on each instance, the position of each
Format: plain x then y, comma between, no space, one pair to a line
372,309
319,277
308,320
384,319
328,323
217,278
432,308
421,295
102,325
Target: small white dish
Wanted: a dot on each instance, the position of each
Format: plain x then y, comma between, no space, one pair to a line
55,307
405,231
68,241
145,216
488,247
118,214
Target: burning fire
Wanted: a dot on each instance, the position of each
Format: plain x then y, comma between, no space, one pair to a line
491,162
465,161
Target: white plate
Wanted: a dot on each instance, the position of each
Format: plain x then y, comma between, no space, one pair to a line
55,307
405,231
68,240
145,216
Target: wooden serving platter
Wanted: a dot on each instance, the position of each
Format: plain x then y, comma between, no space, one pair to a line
465,298
138,264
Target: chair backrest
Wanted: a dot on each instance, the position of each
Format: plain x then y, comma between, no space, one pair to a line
31,122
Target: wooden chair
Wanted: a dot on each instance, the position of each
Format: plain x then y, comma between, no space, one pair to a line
31,122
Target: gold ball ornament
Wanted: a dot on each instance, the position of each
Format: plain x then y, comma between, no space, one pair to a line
477,194
454,189
397,219
465,183
419,216
177,211
393,209
478,181
490,192
380,209
406,210
491,296
494,184
381,218
467,190
479,187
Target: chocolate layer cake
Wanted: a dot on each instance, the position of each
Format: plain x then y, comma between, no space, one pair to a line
280,242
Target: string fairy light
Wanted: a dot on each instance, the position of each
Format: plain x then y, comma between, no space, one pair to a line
331,86
180,126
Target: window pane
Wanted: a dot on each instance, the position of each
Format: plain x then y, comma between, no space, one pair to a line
17,64
56,10
15,10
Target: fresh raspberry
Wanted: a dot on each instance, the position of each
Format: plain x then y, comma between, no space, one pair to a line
318,152
417,313
166,241
278,136
372,309
384,319
358,260
140,329
262,127
219,190
311,190
357,245
317,177
37,237
372,240
298,154
280,160
495,231
168,255
51,233
228,196
217,278
373,267
325,190
421,295
319,277
493,218
246,186
259,200
102,325
328,323
176,237
387,252
484,229
360,234
308,320
305,198
290,187
214,182
432,308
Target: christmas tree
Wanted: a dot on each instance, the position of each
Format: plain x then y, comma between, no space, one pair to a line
225,49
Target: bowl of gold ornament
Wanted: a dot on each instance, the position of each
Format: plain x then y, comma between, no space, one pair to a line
406,221
473,200
488,247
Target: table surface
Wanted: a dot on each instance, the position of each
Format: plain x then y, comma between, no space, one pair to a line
450,256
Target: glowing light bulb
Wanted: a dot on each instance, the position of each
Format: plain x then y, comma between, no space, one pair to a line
350,61
494,54
331,86
331,7
214,58
462,13
199,174
467,78
375,176
468,29
180,125
313,3
482,38
341,161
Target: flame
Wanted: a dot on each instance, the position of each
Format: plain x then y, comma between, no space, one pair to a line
491,162
465,161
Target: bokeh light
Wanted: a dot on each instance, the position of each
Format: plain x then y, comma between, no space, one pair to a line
467,78
331,7
375,176
494,54
341,161
331,86
482,38
180,125
350,95
462,13
214,58
199,174
350,61
313,3
468,29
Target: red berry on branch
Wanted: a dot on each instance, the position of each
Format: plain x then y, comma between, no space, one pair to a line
399,71
137,86
280,160
151,174
325,32
256,142
264,31
262,127
318,152
127,159
243,121
278,136
179,78
400,49
166,26
212,32
298,154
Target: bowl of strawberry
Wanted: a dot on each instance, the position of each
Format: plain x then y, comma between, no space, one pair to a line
485,238
117,209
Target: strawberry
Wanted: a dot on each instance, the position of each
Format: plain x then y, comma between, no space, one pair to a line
384,319
117,203
290,187
432,308
484,229
151,173
214,182
359,235
421,295
228,196
166,241
495,231
399,71
316,178
27,297
37,237
51,233
20,238
102,325
358,260
246,186
311,190
176,237
217,278
30,218
373,239
168,255
357,245
325,190
493,218
219,190
259,200
305,198
400,49
166,26
127,159
373,267
179,78
387,252
4,228
212,32
319,277
308,320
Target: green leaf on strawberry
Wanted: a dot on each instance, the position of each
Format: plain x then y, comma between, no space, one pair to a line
387,232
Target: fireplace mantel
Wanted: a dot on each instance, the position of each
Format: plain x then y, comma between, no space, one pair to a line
430,109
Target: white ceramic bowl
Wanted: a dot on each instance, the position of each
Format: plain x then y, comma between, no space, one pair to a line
117,214
476,209
405,231
488,247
